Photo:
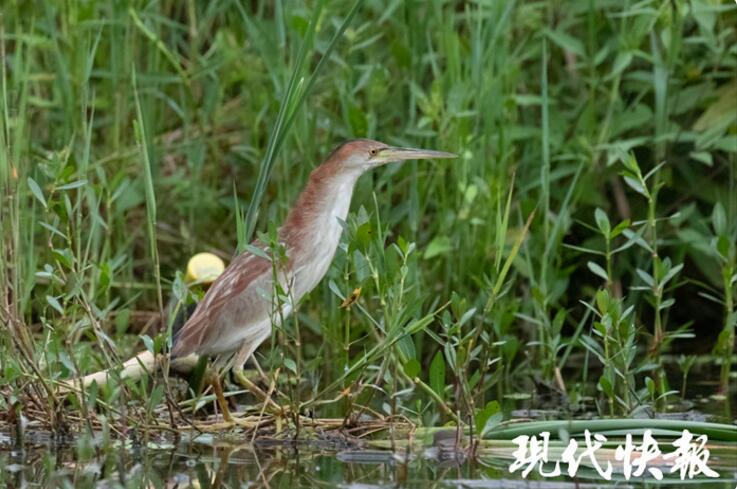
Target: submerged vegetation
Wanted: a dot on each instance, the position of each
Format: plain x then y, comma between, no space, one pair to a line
581,254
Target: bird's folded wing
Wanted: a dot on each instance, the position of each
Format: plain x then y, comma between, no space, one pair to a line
199,329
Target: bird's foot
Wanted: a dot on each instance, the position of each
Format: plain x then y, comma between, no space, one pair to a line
241,378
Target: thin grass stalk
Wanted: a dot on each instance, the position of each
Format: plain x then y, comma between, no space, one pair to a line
288,108
279,132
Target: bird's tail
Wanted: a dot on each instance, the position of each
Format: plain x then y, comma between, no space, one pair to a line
144,363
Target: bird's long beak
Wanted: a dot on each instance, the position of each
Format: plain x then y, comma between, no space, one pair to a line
392,153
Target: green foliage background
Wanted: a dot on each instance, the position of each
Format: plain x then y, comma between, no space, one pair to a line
132,134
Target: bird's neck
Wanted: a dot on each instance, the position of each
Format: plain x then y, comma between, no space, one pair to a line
313,227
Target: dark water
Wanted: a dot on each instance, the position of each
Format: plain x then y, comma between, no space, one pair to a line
207,461
233,461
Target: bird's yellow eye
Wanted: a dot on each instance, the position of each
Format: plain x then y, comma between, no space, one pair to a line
373,152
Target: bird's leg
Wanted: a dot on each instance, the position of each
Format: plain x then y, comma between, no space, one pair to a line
239,374
258,368
214,380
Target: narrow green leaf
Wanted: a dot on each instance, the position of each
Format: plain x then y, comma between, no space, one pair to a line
619,228
72,185
646,277
719,219
53,302
597,270
36,191
602,222
437,374
289,363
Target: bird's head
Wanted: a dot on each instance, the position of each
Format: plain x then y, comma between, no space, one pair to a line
364,154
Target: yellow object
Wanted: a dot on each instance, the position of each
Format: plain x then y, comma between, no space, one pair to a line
204,268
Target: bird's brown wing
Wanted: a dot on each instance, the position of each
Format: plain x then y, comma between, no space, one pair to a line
200,327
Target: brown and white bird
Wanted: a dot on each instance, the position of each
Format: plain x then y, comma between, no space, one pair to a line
237,312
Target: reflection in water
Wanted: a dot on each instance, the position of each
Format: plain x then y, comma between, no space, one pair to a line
199,466
210,462
205,462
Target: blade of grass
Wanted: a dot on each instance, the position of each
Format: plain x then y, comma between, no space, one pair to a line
290,104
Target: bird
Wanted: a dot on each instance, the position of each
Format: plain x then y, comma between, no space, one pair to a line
202,270
239,309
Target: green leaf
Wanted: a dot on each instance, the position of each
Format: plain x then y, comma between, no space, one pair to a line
704,157
602,301
72,185
635,185
721,112
64,256
650,384
621,62
606,386
646,277
53,302
567,42
719,219
148,342
630,163
637,239
406,348
597,270
36,191
412,368
419,324
437,374
488,418
440,245
156,396
723,246
257,251
670,274
619,228
289,363
602,222
363,236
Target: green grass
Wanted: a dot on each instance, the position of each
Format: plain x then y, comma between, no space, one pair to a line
134,134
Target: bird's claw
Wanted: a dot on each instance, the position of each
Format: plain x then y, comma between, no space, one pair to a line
241,378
